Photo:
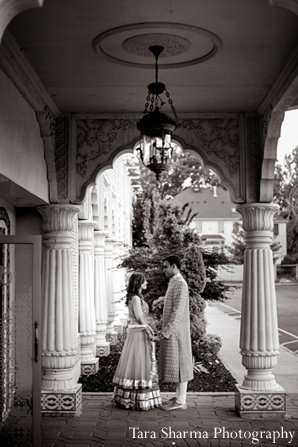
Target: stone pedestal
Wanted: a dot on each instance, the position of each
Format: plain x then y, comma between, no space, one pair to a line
62,403
101,311
260,404
60,393
259,342
87,323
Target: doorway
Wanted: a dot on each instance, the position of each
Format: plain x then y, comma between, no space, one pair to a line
20,376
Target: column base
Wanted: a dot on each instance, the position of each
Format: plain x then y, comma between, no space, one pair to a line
260,404
103,350
62,403
89,368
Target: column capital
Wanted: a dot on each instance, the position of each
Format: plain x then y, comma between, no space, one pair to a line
86,230
258,216
58,217
109,245
99,238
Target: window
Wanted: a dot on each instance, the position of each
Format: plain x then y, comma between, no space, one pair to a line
276,230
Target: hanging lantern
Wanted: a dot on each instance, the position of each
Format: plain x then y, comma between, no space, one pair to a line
156,127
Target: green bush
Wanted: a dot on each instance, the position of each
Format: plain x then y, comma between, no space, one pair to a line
194,273
207,346
215,290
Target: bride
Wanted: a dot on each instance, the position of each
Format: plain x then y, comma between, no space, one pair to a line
136,378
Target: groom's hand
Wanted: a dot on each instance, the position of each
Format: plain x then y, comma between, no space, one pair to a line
158,336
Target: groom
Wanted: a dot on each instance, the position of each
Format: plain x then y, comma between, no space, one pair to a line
175,344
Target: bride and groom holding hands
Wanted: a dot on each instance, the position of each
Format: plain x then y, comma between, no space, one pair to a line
136,378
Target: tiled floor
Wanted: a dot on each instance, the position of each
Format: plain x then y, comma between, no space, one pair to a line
103,425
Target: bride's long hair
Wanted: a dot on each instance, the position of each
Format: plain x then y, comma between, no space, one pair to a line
136,279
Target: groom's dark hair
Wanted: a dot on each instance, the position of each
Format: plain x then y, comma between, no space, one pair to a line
174,259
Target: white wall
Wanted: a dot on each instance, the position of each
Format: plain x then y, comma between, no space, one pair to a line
213,227
21,147
231,273
228,233
210,227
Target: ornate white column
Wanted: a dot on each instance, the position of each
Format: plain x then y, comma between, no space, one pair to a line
87,324
60,392
259,394
101,311
109,267
119,289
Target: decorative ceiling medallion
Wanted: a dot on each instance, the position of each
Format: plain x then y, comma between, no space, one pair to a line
184,44
139,45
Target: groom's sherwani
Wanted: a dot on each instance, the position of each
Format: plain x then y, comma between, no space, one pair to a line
176,354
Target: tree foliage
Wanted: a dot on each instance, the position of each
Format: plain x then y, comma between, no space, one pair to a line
286,185
185,171
238,245
215,290
286,196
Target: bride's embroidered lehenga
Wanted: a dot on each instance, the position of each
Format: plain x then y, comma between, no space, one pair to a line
136,376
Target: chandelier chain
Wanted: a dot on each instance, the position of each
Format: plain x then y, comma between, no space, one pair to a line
152,104
172,106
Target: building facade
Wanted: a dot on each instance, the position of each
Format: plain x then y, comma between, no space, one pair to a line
215,218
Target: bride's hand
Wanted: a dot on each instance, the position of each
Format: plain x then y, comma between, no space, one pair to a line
150,332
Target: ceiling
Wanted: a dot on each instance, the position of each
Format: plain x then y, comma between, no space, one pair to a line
220,56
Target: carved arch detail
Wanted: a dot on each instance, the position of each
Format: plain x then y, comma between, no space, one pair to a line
54,133
271,126
216,139
5,217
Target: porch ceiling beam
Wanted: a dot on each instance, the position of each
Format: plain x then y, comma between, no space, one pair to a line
284,92
10,8
19,70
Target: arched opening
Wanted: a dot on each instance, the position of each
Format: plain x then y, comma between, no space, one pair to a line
107,192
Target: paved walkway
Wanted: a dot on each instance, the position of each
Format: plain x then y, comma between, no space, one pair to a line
210,419
225,322
102,425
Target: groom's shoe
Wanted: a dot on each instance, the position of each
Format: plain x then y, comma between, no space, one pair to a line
176,406
168,403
